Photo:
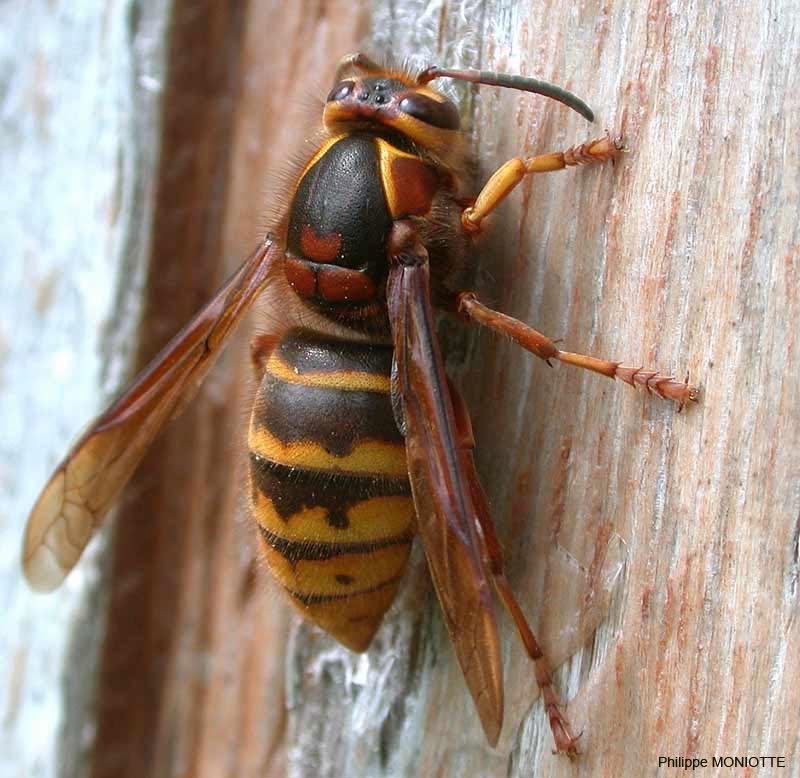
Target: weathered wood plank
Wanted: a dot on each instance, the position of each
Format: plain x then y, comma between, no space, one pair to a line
684,256
79,126
185,614
193,676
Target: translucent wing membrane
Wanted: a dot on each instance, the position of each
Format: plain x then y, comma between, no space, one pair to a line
77,497
440,482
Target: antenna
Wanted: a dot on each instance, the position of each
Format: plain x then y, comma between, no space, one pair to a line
511,82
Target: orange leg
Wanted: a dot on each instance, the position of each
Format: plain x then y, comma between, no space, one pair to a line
492,554
506,178
531,340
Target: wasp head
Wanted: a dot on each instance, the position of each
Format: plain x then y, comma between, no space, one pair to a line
392,102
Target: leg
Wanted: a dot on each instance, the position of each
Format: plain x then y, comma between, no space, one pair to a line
492,554
564,739
356,61
665,387
512,172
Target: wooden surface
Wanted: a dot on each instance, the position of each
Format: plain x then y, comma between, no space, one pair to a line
678,533
78,144
193,664
683,257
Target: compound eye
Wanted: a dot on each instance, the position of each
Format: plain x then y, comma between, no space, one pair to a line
340,91
443,115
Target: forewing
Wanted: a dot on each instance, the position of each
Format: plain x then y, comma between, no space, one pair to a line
75,500
439,472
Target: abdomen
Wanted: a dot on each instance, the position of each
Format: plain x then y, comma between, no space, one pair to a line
328,482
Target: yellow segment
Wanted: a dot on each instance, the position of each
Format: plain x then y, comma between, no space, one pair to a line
371,456
347,380
372,519
318,576
387,154
352,622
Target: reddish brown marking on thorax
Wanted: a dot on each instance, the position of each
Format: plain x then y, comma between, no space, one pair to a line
414,185
320,248
331,283
301,275
339,284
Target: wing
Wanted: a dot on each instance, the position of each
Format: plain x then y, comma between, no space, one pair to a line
75,500
440,481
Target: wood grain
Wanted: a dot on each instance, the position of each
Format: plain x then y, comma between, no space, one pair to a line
192,676
677,532
78,149
683,257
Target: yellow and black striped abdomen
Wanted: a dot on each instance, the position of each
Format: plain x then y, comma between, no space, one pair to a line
329,482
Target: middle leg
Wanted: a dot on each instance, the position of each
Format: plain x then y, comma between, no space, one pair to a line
532,340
